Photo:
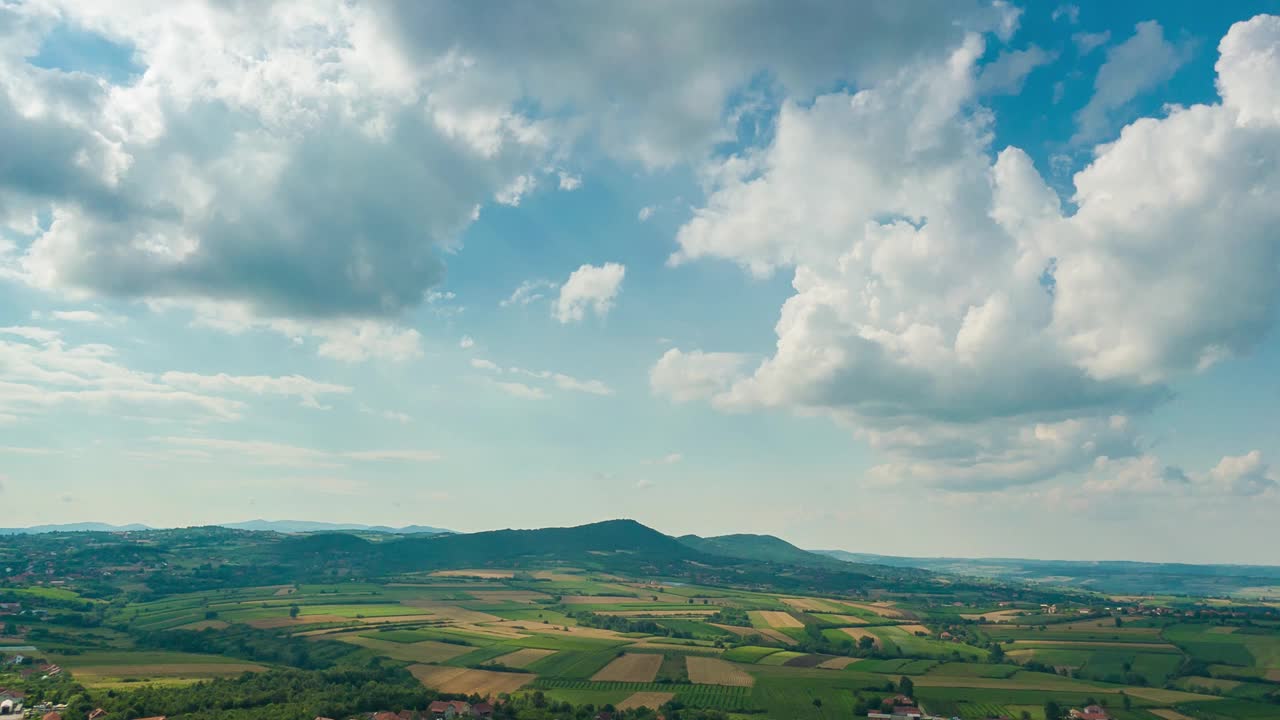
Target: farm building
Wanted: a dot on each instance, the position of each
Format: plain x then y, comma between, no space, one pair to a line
1092,712
11,702
448,709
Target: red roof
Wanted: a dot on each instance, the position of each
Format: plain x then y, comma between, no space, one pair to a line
386,716
52,716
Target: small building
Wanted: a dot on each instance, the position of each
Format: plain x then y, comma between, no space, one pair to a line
1091,712
52,716
11,702
482,710
448,709
97,714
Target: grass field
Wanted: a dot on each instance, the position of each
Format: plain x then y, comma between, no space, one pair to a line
100,669
748,653
780,658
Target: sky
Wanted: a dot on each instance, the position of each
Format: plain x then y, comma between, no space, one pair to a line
960,278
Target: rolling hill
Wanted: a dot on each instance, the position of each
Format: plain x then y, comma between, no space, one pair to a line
766,548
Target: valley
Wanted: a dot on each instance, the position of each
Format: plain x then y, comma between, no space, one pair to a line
611,617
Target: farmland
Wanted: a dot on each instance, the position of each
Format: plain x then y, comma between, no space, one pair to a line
631,640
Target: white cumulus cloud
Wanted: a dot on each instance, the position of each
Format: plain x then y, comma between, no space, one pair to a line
590,288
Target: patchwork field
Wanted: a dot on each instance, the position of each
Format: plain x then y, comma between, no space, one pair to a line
653,700
811,604
522,658
997,616
714,671
466,681
584,637
104,669
858,633
773,619
631,667
493,574
883,610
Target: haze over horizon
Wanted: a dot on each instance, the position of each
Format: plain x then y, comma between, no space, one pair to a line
967,279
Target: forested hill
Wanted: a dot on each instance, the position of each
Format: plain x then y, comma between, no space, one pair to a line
623,546
757,547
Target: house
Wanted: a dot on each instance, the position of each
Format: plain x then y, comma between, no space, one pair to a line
11,702
603,715
10,608
97,713
482,710
52,716
1091,712
384,715
448,709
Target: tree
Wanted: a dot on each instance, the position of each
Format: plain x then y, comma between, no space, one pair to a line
866,642
1128,704
906,687
293,611
1052,711
996,655
1119,622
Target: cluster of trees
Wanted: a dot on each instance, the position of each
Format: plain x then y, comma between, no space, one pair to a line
731,616
250,644
291,694
275,695
618,623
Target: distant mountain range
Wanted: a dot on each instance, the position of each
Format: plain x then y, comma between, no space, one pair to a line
307,526
626,543
1115,576
72,527
280,526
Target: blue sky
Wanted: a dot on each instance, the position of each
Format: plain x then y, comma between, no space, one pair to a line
927,278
